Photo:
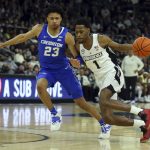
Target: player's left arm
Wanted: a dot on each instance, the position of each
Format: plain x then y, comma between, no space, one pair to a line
108,42
71,45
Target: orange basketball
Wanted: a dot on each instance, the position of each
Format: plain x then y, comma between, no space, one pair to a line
141,47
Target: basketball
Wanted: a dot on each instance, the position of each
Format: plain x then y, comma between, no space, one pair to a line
141,47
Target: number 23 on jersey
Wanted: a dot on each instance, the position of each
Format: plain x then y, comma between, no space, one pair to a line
49,51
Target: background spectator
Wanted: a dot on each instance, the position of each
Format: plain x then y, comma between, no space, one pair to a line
131,65
122,20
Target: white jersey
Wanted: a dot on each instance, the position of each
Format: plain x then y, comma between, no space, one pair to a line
98,59
103,63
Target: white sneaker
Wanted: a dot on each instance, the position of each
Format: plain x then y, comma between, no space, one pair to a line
56,121
104,144
141,100
105,132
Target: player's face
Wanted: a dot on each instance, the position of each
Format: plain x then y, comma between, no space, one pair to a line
54,20
81,33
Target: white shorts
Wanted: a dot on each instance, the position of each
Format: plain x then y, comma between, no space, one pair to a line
113,79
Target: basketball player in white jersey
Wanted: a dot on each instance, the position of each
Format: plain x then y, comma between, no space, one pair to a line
97,53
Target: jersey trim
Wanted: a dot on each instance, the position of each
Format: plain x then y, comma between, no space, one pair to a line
55,35
112,56
117,75
110,87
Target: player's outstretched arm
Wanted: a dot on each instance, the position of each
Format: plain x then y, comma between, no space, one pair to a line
22,37
114,45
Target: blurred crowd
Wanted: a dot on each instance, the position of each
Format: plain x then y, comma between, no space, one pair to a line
122,20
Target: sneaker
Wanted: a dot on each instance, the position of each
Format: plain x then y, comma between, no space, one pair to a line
146,129
141,100
104,144
146,134
56,121
132,102
105,132
147,99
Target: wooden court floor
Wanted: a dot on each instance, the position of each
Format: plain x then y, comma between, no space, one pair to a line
26,127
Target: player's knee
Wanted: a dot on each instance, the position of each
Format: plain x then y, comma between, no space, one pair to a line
104,99
103,102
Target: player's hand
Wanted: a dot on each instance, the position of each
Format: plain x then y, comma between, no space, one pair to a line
75,63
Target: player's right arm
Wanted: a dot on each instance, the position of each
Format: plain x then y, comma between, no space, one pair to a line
35,31
106,41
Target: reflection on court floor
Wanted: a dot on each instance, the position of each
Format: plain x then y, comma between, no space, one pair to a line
26,126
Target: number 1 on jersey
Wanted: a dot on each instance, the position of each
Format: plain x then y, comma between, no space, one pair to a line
97,65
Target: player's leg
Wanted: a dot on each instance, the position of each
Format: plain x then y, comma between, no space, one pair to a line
112,83
106,104
42,85
45,79
105,101
105,128
75,90
107,111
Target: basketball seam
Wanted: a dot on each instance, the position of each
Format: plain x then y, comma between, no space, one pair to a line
138,46
142,52
142,42
145,46
138,53
135,48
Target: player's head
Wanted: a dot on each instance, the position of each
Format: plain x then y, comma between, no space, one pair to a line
54,15
82,30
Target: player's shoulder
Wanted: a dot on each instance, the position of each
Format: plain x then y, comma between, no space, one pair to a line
37,29
65,28
38,26
103,39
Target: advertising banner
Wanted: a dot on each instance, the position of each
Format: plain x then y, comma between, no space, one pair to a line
25,88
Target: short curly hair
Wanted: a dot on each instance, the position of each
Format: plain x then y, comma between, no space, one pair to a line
53,8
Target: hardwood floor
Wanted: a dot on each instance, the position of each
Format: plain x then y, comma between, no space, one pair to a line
26,127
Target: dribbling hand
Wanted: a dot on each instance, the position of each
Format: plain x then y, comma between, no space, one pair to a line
75,63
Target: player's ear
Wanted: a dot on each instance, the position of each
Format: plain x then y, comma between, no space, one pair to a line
88,30
61,19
